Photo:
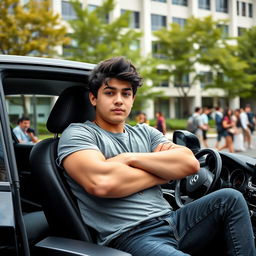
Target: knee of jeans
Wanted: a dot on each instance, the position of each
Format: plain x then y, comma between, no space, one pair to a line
232,195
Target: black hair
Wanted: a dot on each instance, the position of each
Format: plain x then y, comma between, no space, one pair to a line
116,67
23,118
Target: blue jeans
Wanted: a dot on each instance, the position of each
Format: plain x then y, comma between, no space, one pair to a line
196,229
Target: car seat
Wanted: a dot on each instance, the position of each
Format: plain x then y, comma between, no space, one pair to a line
56,198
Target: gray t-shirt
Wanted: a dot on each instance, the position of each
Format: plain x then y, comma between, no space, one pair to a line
113,216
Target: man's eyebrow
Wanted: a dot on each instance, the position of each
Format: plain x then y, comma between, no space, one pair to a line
109,87
114,88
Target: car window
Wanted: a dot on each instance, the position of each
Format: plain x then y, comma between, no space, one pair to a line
3,172
36,107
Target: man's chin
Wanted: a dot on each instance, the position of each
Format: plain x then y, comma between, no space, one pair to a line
118,120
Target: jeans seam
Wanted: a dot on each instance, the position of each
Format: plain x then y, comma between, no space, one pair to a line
234,244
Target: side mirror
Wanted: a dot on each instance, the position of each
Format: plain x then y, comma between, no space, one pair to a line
187,139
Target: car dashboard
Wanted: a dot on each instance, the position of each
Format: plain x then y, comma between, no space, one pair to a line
238,172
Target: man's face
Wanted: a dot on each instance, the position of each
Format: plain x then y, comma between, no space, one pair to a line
24,125
247,109
114,101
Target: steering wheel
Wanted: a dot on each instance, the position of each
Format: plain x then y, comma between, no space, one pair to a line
203,182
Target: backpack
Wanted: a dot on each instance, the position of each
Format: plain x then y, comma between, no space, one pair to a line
192,124
218,122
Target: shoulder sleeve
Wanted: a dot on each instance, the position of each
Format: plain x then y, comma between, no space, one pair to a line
76,137
156,137
17,133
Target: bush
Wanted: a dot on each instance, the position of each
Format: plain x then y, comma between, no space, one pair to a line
172,124
41,127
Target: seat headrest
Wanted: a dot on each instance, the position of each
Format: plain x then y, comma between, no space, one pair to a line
72,106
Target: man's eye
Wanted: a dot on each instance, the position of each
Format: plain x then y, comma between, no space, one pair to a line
127,94
109,93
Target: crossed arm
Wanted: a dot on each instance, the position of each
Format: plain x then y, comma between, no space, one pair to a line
128,173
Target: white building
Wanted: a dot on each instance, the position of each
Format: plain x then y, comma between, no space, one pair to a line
150,15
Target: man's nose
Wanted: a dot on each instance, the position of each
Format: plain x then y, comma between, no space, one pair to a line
118,99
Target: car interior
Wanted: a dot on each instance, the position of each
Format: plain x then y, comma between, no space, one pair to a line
50,213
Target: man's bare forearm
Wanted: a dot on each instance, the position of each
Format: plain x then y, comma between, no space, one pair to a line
107,178
175,163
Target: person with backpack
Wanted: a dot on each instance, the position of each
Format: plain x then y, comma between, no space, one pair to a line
195,124
218,116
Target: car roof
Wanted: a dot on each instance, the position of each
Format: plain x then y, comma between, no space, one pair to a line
45,76
17,59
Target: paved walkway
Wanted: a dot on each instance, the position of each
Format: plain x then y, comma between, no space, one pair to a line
212,141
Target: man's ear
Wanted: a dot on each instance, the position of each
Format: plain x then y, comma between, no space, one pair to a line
92,99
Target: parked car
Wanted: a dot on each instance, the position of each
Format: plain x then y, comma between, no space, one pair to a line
38,213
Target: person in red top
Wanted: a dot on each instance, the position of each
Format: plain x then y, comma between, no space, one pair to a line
160,122
228,130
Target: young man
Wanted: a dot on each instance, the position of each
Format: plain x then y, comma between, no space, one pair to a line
23,132
115,171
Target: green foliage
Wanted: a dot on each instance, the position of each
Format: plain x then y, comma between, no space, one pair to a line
32,29
96,39
201,41
183,47
230,70
246,51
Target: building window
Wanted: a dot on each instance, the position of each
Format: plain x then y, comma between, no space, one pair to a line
240,31
157,22
156,50
206,78
250,10
162,73
238,8
67,10
180,21
224,29
134,19
92,7
183,83
162,1
180,2
204,4
134,45
222,6
243,9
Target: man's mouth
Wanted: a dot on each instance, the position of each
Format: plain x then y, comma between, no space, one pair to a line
117,110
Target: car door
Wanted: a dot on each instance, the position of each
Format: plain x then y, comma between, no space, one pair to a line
13,238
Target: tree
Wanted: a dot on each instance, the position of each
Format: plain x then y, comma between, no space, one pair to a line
30,29
96,38
229,71
200,41
246,52
105,39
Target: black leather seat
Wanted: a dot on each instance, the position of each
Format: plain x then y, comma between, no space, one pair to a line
58,202
59,206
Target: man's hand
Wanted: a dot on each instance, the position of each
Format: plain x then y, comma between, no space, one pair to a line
165,146
124,158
